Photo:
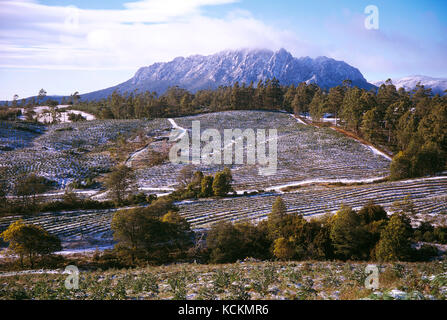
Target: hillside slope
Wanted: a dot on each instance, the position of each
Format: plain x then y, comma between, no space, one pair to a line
438,85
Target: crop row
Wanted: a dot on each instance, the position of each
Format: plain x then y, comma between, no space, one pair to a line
429,198
303,152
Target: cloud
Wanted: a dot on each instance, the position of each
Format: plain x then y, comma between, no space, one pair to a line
377,52
34,35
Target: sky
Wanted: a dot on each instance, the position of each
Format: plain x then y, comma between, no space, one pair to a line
85,45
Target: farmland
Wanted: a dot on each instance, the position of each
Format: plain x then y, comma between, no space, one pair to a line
69,151
90,228
318,171
247,280
304,152
319,163
429,197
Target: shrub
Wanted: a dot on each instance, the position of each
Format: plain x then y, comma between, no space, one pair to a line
30,241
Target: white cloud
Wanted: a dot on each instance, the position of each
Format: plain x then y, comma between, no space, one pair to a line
33,35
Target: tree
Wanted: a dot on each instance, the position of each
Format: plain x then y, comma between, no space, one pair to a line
119,181
370,126
222,183
386,96
223,242
30,186
279,208
284,249
335,100
276,218
207,187
400,167
433,127
30,240
150,233
186,175
317,106
372,212
129,227
41,95
416,161
228,243
303,97
394,243
352,109
75,97
348,235
14,100
273,97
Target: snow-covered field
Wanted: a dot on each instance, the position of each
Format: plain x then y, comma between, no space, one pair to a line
84,230
43,114
254,280
308,158
68,151
429,197
304,152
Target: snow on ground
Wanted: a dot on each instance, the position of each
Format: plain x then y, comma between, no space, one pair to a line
136,154
44,117
85,250
182,130
312,181
26,272
297,119
378,152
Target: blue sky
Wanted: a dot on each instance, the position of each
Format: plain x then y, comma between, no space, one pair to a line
66,46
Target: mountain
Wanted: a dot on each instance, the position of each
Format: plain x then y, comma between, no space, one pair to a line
225,68
438,85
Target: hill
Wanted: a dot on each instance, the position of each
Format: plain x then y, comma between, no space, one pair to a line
438,85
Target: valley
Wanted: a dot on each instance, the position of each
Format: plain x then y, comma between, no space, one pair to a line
319,169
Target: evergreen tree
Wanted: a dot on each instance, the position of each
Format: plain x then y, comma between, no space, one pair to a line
394,243
348,235
335,100
207,186
317,106
352,110
222,183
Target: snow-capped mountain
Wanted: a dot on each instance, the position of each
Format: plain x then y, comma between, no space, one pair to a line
225,68
438,85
